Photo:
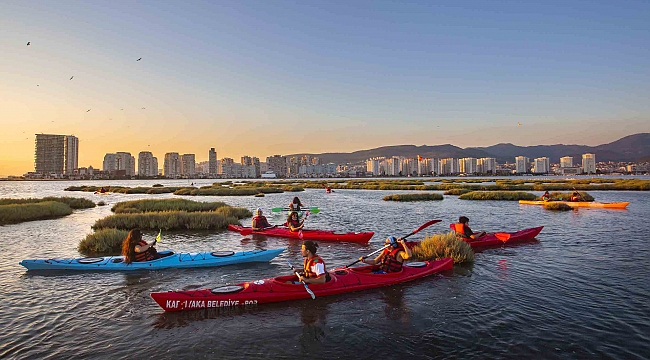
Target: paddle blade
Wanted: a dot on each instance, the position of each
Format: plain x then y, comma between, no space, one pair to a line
502,236
314,210
311,293
276,209
426,225
158,237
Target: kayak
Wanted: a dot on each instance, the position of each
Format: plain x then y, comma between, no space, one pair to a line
343,280
498,239
356,237
168,260
593,204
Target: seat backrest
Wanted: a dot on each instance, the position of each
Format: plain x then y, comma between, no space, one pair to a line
452,226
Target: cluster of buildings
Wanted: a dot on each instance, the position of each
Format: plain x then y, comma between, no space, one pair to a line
419,166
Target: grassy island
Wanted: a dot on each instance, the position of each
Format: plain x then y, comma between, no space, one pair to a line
498,195
555,206
559,196
440,246
14,211
413,197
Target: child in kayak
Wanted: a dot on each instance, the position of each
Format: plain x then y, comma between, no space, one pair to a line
259,221
315,271
293,222
392,258
546,196
134,248
463,231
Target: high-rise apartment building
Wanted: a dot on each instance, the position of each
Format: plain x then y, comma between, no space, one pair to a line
486,165
147,164
589,163
449,166
212,161
521,164
188,164
467,165
109,165
277,164
227,168
58,154
124,161
256,165
566,161
542,165
172,165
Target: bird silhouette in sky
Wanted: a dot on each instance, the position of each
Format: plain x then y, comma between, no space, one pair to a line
88,110
143,108
71,77
121,109
29,43
139,59
37,85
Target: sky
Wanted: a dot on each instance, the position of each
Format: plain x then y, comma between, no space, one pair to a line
279,77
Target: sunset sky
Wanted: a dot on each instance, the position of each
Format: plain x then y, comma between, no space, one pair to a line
274,77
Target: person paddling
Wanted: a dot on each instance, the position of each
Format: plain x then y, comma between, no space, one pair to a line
259,221
295,204
546,196
134,248
576,197
392,258
315,271
463,231
293,222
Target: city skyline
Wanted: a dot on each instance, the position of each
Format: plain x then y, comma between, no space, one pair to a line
280,78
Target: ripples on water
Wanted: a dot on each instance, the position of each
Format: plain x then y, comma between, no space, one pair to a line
581,291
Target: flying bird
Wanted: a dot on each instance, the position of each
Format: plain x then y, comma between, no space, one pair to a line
71,77
88,110
29,43
121,109
143,108
139,59
37,85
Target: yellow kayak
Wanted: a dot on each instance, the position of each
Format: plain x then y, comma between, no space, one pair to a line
593,204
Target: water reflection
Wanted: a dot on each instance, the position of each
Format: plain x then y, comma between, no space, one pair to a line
313,315
395,308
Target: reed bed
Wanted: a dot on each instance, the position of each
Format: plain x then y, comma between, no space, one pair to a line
441,246
17,213
170,220
557,206
153,205
413,197
237,191
498,195
457,191
259,195
104,242
74,203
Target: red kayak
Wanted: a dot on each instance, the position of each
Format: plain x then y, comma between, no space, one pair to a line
497,239
277,289
356,237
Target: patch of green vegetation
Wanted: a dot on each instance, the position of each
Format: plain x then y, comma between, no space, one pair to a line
174,220
153,205
413,197
457,191
17,213
557,206
498,195
440,246
238,191
74,203
104,242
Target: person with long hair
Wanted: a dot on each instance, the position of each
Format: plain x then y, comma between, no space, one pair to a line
295,205
134,248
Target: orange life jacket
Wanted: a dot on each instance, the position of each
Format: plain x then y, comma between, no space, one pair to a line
145,255
459,228
389,262
311,262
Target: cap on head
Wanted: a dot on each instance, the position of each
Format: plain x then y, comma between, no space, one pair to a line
393,241
310,245
463,219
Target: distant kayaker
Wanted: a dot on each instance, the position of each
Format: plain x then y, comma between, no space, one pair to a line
463,230
134,248
293,222
102,190
295,204
259,221
576,197
315,271
392,258
546,196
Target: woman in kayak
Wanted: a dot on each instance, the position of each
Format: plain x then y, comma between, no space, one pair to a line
576,197
546,196
463,230
293,222
392,258
315,271
259,221
134,248
295,204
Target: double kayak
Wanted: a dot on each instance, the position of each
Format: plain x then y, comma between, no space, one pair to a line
574,204
342,280
168,259
355,237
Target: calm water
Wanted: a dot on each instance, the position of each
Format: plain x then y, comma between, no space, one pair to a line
582,291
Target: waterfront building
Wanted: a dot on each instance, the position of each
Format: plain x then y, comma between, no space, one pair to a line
226,168
147,164
172,165
374,166
125,162
467,165
257,166
521,164
566,161
449,166
188,165
56,154
71,154
212,162
277,164
542,165
589,163
486,165
109,164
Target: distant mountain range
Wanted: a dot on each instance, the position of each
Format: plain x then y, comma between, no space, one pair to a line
630,148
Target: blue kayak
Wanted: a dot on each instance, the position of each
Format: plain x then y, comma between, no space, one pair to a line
168,259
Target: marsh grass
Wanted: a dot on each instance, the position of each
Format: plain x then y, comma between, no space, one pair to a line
413,197
74,203
498,195
17,213
441,246
557,206
457,191
104,242
237,191
169,220
153,205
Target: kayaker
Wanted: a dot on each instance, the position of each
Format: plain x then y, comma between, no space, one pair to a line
102,190
546,196
463,230
315,271
293,222
259,221
134,248
295,204
392,258
576,197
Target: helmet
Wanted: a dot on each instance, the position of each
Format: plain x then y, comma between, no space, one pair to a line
258,211
393,241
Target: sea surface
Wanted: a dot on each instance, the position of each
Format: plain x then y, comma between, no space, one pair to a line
582,291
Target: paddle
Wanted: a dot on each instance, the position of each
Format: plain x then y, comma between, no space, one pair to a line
426,225
313,210
303,225
304,283
502,236
158,237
